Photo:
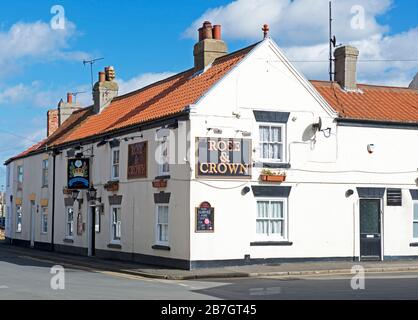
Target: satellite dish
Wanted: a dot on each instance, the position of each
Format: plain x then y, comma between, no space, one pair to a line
318,125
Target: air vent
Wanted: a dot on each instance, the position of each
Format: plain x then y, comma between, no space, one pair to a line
394,197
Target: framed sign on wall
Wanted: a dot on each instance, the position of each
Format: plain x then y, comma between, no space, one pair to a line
205,218
78,173
137,160
223,157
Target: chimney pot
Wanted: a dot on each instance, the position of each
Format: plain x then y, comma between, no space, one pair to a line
346,67
102,76
217,32
207,30
69,97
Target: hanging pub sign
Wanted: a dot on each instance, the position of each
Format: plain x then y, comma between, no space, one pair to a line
223,157
137,160
78,174
205,218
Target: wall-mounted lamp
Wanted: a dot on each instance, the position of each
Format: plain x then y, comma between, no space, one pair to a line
245,190
244,133
92,195
349,193
370,148
215,130
74,194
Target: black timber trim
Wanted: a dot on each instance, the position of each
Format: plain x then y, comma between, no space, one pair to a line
44,246
115,143
80,251
271,191
371,193
162,197
271,244
68,240
170,120
271,116
115,200
414,194
376,124
394,197
160,247
413,244
167,177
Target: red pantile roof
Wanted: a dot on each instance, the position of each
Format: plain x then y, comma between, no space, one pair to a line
159,100
378,103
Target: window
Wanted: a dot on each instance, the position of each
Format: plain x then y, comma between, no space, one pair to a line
44,220
162,224
271,219
415,220
18,218
97,212
272,143
69,228
115,164
20,176
164,165
116,224
8,176
45,173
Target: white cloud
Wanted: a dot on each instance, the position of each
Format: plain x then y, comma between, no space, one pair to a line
141,81
36,41
300,27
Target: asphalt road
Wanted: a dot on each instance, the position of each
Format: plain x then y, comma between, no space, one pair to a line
23,277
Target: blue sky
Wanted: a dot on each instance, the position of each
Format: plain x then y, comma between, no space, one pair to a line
148,40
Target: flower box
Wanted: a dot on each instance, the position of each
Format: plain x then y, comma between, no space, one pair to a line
159,183
66,191
112,186
273,178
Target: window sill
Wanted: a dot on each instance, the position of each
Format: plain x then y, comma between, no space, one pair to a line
162,177
114,246
68,240
413,244
272,165
161,247
271,244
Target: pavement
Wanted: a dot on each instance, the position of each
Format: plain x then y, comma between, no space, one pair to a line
284,270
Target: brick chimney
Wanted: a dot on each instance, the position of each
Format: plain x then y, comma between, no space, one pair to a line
105,89
209,47
346,67
56,117
414,83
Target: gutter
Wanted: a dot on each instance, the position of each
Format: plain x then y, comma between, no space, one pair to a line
347,122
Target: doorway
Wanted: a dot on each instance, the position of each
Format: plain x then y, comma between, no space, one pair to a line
370,230
92,231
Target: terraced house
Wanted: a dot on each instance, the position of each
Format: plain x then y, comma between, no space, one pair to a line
238,160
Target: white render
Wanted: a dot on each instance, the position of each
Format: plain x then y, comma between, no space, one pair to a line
322,221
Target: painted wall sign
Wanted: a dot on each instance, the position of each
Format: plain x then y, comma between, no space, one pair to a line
223,157
137,160
205,218
78,173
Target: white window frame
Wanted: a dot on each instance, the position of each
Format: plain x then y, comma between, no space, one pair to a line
68,223
114,240
283,127
44,215
414,203
113,164
274,237
157,230
17,218
164,159
20,180
45,173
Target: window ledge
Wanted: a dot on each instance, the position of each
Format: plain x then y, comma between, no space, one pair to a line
67,240
413,244
271,243
162,177
114,246
161,247
273,165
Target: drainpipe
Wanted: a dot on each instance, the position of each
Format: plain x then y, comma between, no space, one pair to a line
54,154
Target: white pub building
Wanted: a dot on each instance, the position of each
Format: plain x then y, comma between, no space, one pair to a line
238,160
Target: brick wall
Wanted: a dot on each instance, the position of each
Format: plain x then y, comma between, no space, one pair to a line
52,121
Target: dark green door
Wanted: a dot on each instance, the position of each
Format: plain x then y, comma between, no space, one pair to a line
370,230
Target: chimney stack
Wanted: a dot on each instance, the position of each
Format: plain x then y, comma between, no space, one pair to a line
105,89
414,83
56,117
346,67
209,47
69,98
